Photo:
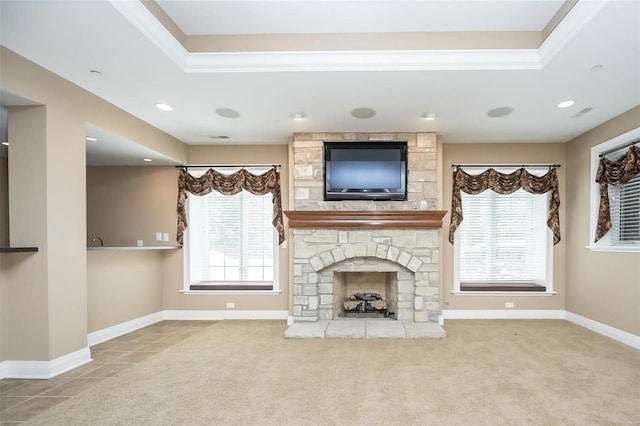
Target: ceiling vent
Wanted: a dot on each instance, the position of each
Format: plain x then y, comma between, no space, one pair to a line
582,112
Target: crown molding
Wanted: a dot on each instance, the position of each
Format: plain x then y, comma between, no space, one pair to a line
579,16
387,60
136,13
396,60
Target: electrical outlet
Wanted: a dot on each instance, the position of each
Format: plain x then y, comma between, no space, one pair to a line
140,242
509,305
231,305
165,237
158,236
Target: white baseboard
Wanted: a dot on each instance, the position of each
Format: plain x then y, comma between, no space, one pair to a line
600,328
606,330
224,315
49,369
503,314
44,369
138,323
123,328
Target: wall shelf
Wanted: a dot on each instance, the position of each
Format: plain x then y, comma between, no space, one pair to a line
18,249
131,248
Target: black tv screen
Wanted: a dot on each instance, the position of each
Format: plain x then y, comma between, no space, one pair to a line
365,170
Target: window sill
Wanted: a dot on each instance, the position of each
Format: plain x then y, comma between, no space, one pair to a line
504,287
233,286
614,249
504,293
235,292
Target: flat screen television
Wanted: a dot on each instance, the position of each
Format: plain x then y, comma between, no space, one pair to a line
365,170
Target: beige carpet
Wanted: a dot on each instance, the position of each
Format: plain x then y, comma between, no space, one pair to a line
543,372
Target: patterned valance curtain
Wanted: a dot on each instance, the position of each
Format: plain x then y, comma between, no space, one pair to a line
504,183
230,184
614,172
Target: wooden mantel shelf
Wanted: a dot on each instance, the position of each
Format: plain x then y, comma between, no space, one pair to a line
430,219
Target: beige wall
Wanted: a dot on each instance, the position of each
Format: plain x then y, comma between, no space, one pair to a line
44,297
4,241
123,286
601,286
363,41
24,325
127,204
502,154
46,210
4,202
4,325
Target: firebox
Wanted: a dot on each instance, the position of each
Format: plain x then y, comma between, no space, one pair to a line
365,294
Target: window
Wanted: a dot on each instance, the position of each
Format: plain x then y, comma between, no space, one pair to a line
625,213
624,200
503,243
231,242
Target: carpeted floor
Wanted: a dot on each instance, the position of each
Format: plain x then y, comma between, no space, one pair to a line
534,372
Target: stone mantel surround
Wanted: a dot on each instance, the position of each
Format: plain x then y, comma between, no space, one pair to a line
400,237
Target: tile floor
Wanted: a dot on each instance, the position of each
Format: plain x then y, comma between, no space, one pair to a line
21,399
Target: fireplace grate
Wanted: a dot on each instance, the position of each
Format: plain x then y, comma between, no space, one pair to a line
366,305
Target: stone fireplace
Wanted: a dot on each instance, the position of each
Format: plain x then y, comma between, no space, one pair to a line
387,247
322,257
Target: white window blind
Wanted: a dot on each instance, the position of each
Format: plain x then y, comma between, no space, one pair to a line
624,203
503,238
231,238
624,200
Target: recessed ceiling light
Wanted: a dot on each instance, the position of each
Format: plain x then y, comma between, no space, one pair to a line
363,112
597,67
219,137
95,72
164,107
148,160
91,139
297,116
499,112
227,113
566,104
5,143
429,116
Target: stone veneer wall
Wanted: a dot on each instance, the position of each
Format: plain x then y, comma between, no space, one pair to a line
422,185
412,253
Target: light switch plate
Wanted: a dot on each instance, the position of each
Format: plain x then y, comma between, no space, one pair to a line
158,236
165,236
